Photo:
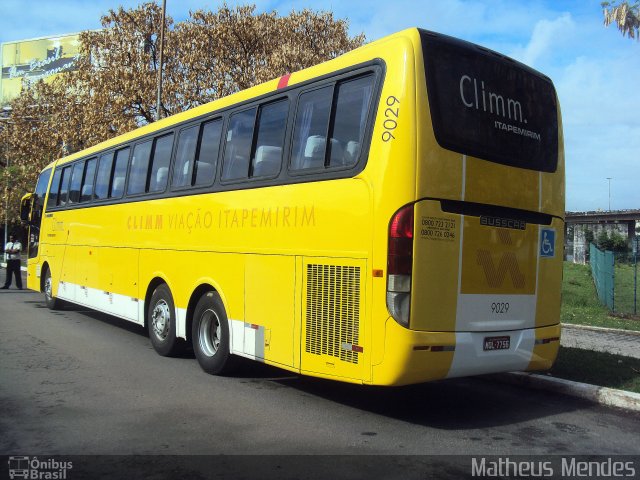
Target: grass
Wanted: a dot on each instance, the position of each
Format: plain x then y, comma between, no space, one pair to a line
597,368
580,304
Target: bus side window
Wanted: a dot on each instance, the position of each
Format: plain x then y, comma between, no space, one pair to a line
104,176
352,108
272,125
86,191
76,182
185,154
310,131
119,173
63,196
238,147
207,162
159,175
139,168
52,201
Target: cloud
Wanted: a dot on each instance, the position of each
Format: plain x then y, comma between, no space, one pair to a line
546,36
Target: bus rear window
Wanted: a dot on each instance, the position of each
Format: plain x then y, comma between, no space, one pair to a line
486,105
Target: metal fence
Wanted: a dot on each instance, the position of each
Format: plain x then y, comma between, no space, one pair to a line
603,272
616,278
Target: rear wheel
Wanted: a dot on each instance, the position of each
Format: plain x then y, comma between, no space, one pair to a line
161,317
210,334
47,288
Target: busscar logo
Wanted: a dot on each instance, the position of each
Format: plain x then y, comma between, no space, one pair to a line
503,222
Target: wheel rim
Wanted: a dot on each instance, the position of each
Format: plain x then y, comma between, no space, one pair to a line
47,287
210,333
161,319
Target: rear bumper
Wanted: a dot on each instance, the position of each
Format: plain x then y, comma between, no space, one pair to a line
410,356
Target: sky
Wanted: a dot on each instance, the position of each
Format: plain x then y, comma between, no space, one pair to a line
595,70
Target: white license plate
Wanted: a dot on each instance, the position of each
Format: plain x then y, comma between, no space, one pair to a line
496,343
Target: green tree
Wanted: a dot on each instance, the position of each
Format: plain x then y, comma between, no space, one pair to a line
618,242
604,242
625,15
588,235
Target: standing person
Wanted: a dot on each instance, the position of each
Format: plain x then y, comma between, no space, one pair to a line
13,249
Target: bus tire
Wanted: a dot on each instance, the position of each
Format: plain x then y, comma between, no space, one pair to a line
210,334
161,316
47,288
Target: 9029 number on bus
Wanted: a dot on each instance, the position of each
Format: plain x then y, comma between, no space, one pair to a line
392,113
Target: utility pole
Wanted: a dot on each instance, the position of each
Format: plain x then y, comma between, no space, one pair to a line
6,210
159,74
609,178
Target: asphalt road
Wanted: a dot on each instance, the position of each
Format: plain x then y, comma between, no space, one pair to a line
80,382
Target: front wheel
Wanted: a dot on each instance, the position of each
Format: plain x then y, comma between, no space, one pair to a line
161,318
47,288
210,334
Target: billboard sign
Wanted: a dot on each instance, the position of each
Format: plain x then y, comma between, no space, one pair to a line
33,60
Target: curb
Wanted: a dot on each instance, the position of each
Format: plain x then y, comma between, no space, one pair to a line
570,326
609,397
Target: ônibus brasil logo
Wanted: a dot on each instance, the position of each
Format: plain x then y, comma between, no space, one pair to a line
34,469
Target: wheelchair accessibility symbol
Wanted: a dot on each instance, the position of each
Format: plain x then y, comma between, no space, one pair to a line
547,242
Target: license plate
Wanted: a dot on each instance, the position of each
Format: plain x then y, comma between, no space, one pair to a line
496,343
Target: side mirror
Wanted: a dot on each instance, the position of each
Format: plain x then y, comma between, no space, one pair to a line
25,208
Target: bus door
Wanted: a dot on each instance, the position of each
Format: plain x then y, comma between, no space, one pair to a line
32,210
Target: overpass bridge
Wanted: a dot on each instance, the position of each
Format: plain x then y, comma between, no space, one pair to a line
576,223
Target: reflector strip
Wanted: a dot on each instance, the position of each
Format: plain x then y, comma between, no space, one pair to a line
378,273
284,81
352,348
436,348
544,341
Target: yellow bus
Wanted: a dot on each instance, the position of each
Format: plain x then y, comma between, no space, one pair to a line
391,216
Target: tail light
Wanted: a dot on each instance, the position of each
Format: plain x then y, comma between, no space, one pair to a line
399,264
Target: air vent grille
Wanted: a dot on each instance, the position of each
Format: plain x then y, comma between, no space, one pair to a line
333,311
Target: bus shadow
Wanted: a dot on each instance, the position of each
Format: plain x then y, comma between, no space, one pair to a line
93,315
116,322
455,404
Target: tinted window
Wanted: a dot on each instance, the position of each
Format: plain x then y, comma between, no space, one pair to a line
76,182
63,195
489,106
119,173
272,125
36,212
86,191
139,168
310,131
52,201
41,189
238,147
352,106
104,176
205,166
160,163
185,154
